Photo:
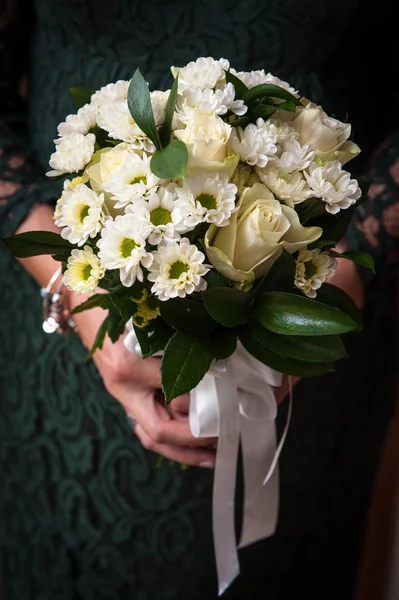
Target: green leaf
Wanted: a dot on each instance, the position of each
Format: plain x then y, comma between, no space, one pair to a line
187,316
228,306
100,337
159,336
360,258
281,275
239,86
268,90
264,111
166,128
275,361
171,162
81,96
290,314
143,339
334,296
184,363
124,305
102,300
322,244
140,107
215,279
334,226
318,348
240,122
115,326
223,343
35,243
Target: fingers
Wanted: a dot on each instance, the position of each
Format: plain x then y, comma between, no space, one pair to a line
159,425
187,456
180,406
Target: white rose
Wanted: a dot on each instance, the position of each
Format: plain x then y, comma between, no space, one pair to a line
103,163
328,136
257,234
206,138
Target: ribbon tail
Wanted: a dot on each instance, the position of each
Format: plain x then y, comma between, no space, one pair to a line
259,441
224,484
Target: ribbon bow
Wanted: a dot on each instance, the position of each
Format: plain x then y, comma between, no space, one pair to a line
235,402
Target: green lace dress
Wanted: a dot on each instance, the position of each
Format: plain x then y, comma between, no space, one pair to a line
85,513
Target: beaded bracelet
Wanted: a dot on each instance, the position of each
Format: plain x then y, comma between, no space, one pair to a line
56,315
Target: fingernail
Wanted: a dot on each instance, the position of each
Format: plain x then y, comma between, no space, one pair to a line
207,465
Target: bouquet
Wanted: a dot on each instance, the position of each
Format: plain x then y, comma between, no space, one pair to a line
210,213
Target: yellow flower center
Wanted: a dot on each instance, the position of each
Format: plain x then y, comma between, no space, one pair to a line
207,201
177,268
139,179
87,272
160,216
127,247
84,211
310,269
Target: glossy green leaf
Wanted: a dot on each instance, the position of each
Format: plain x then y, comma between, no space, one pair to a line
240,122
35,243
322,244
81,96
360,258
102,300
115,326
223,342
268,90
166,129
239,86
187,316
185,361
216,279
228,306
275,361
334,296
315,349
99,341
171,162
281,276
334,226
290,314
140,107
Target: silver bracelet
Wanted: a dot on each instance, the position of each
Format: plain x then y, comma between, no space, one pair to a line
56,315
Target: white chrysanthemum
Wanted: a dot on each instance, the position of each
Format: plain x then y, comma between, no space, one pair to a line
291,188
72,154
82,122
313,268
123,246
113,92
70,184
206,198
80,214
194,100
117,120
244,177
205,72
132,178
333,185
281,130
158,103
293,157
84,271
160,215
177,270
253,144
254,78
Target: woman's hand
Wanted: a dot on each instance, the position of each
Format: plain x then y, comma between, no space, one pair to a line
136,384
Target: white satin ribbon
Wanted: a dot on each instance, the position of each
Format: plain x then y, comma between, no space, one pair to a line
235,402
